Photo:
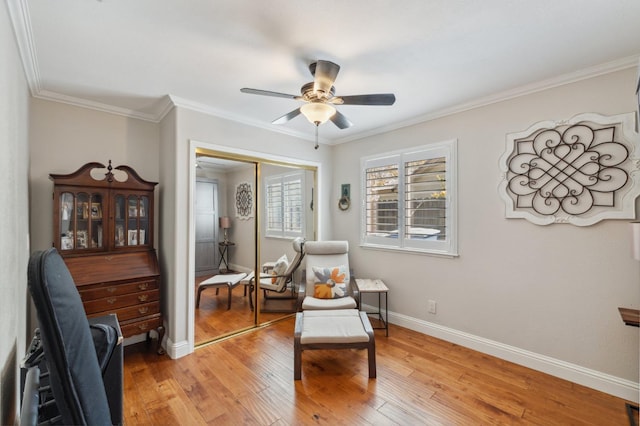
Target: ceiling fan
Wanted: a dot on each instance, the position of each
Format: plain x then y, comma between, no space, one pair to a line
319,97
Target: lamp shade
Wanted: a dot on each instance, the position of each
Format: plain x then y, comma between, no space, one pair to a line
225,222
317,112
635,240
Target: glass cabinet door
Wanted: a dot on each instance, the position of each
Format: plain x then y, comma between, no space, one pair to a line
67,220
80,221
137,229
120,221
94,226
144,220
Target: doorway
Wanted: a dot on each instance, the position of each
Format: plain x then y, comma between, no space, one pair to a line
214,318
225,310
206,217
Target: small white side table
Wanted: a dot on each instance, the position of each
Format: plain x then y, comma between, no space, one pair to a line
367,285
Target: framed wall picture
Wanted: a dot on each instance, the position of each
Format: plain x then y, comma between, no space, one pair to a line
244,201
578,171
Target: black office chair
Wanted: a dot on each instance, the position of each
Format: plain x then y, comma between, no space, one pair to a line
75,354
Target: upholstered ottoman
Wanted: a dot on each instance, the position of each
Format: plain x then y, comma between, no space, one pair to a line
230,281
333,329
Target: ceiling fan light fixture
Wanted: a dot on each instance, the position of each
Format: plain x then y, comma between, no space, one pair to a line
317,112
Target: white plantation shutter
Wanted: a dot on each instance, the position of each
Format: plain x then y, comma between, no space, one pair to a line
285,205
293,205
381,199
410,199
275,220
425,199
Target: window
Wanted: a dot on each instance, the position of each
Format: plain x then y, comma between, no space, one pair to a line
285,205
410,199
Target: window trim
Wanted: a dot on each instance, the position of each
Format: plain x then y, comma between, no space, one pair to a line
281,179
448,247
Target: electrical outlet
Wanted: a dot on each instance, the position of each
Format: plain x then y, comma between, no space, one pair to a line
432,306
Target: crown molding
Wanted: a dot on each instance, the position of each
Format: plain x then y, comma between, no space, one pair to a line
98,106
19,15
206,109
584,74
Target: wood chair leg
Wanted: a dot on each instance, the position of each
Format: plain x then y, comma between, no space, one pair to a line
297,360
372,359
251,297
371,347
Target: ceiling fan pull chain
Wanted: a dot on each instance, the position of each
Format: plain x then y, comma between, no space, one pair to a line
317,125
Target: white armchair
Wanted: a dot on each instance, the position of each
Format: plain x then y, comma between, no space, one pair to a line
277,277
327,281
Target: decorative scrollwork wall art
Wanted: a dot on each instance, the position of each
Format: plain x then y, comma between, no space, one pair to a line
244,201
578,171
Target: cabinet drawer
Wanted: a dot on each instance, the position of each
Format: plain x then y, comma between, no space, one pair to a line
141,326
138,311
107,290
110,304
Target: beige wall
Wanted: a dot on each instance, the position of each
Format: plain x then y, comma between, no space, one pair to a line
544,296
211,132
64,137
538,293
242,231
14,226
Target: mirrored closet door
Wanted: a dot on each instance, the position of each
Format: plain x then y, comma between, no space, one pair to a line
247,212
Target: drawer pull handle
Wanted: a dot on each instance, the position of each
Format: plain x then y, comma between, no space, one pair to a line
112,289
112,300
143,297
144,310
143,286
143,326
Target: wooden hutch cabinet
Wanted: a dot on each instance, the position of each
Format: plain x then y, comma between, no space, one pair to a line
103,228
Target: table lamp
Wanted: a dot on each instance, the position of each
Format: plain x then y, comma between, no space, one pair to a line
225,223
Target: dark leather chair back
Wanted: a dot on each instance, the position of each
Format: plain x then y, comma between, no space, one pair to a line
69,350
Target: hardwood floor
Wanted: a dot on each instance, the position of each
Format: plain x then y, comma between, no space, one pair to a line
248,379
213,319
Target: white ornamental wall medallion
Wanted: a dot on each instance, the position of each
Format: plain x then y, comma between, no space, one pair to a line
244,201
579,171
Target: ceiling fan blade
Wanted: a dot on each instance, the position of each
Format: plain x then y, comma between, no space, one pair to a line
268,93
287,117
377,99
340,120
325,73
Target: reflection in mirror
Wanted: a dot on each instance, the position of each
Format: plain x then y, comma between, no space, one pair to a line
222,303
286,214
228,192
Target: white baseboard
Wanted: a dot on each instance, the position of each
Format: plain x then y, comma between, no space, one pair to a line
603,382
174,350
177,349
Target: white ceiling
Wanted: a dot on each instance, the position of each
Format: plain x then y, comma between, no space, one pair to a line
437,56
